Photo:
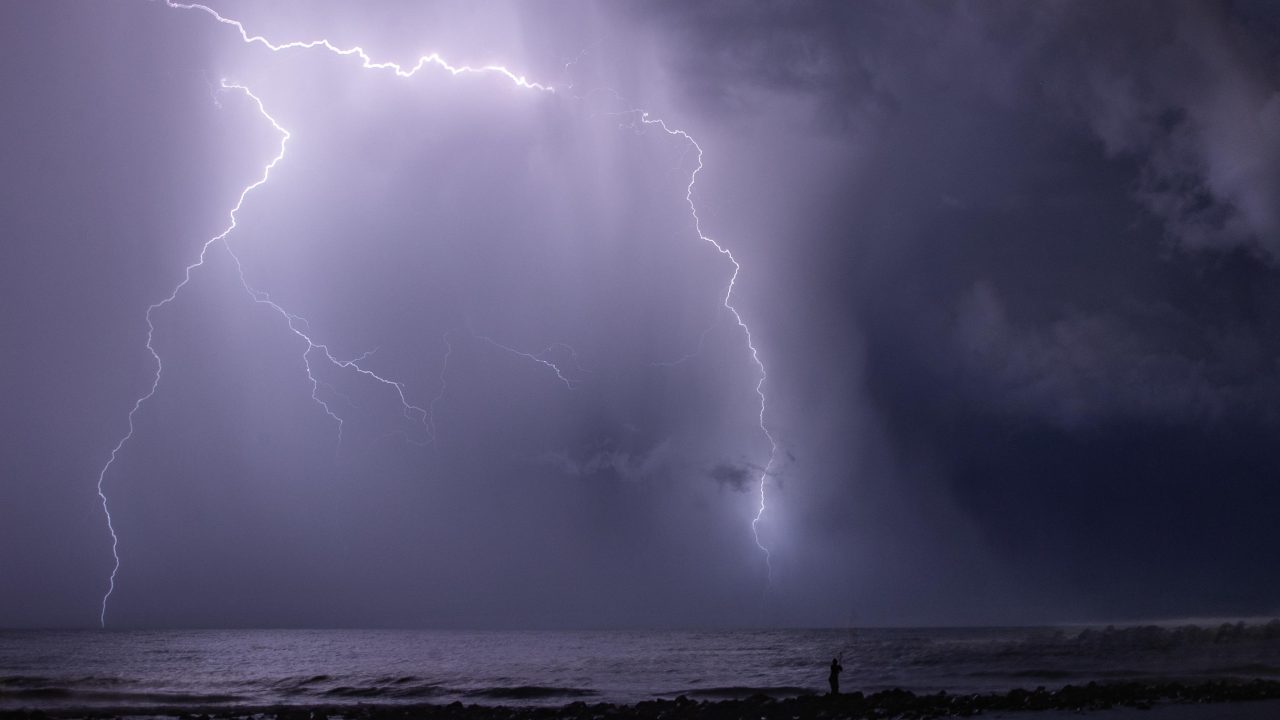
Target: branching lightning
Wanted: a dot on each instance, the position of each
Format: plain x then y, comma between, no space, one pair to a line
296,324
301,329
543,358
695,352
151,331
366,61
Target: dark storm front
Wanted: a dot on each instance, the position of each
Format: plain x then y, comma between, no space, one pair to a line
267,667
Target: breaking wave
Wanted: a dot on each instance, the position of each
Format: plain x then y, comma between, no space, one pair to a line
529,692
74,696
742,691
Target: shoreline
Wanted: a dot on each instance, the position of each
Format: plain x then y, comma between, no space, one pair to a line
1202,699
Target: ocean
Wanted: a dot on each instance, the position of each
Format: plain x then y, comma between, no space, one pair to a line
87,669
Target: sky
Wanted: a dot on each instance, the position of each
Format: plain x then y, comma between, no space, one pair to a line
1010,270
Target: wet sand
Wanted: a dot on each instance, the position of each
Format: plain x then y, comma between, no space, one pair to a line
1252,700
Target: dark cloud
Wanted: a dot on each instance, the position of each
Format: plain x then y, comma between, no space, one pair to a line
1043,253
739,478
1187,90
1190,94
1152,363
612,462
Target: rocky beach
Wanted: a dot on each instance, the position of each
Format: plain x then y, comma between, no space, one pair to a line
1218,699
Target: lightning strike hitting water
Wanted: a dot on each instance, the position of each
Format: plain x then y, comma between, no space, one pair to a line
295,323
299,326
151,330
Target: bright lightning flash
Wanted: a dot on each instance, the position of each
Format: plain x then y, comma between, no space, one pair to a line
299,326
296,325
746,331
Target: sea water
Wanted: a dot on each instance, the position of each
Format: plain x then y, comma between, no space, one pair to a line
73,669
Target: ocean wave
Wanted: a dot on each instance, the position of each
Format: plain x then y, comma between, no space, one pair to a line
1159,637
24,680
1250,669
123,698
528,692
342,668
37,692
382,691
38,681
1058,674
298,682
742,691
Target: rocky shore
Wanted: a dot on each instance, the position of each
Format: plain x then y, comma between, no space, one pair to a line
884,704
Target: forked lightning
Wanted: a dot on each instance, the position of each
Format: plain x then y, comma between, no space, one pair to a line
298,326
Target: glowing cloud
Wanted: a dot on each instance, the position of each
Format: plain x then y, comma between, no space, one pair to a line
299,327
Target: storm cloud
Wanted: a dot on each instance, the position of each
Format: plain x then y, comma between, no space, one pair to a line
1011,268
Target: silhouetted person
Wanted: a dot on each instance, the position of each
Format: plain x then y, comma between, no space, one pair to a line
834,677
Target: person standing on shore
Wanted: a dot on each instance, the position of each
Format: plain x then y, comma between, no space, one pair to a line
834,677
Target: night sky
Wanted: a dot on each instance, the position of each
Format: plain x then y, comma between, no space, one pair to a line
1011,268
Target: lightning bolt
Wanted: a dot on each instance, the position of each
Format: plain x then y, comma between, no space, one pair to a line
647,119
727,303
151,331
296,324
541,358
697,350
367,62
301,328
444,385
